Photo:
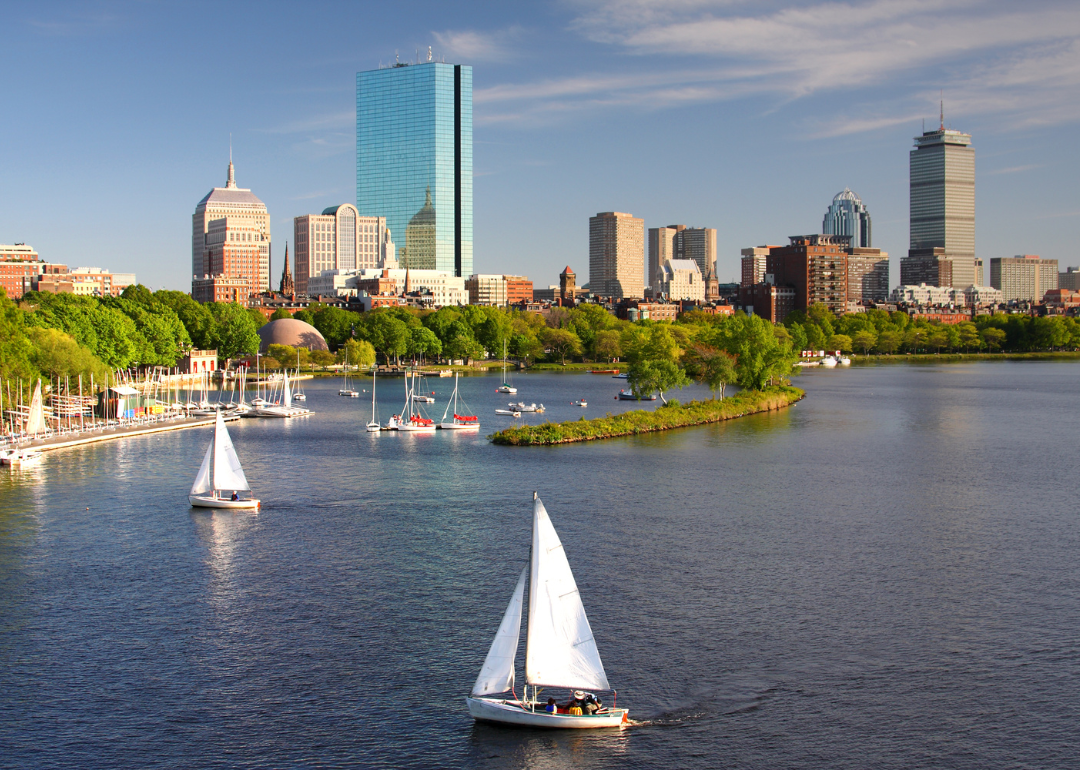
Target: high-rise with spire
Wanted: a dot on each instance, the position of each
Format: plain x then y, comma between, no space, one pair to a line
286,277
230,243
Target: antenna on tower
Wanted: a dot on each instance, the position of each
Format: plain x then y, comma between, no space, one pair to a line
429,53
941,94
230,147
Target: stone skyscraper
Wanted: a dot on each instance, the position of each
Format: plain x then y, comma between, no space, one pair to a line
414,160
942,217
617,255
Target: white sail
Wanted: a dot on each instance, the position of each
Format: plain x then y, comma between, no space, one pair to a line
227,471
35,421
497,675
560,650
202,481
287,398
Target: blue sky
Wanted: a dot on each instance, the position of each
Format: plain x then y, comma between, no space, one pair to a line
740,115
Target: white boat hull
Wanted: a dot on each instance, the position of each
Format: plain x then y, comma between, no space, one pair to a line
505,389
459,426
200,501
416,428
373,427
511,713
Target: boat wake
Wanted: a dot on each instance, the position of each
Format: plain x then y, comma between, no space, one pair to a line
699,710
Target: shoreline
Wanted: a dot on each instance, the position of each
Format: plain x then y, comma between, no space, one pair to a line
639,421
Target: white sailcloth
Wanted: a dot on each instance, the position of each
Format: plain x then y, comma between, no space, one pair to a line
497,675
288,393
202,480
227,471
35,421
560,650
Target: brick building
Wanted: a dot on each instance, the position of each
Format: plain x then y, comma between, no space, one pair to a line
815,266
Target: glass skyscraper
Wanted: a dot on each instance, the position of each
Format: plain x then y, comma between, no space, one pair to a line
414,161
847,215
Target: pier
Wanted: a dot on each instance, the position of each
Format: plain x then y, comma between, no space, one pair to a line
108,433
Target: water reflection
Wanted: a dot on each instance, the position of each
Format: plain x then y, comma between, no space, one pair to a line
500,747
221,533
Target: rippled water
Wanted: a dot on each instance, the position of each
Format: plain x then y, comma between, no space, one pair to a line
885,575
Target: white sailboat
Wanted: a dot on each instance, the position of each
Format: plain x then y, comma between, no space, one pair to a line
458,421
560,651
345,389
506,387
373,426
411,417
227,475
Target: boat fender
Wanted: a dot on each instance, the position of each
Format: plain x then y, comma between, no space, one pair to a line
574,711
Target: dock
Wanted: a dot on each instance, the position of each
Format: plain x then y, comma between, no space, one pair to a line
112,432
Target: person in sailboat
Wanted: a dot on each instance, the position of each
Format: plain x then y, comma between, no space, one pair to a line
552,707
235,495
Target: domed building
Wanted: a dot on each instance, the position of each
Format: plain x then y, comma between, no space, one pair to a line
291,332
848,216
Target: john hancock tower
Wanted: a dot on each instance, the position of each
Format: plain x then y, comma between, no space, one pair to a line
414,161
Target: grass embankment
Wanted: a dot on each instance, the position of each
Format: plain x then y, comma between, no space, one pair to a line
640,421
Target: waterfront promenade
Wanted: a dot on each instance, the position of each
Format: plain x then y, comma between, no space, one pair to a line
93,435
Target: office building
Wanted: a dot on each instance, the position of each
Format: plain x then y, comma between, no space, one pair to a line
222,288
617,255
847,215
680,242
485,289
445,288
942,216
773,303
414,161
680,279
753,264
519,289
1070,279
815,266
868,276
1023,278
230,237
339,239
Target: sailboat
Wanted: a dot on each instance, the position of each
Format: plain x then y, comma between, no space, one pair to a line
227,475
560,651
345,389
35,426
505,387
299,395
373,426
412,418
459,421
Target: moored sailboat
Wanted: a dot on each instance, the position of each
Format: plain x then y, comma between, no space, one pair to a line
458,421
560,651
225,475
506,387
373,426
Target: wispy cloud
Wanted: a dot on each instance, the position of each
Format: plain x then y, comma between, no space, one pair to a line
472,45
327,122
1014,169
1022,63
68,23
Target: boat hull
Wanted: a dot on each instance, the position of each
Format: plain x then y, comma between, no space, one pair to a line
459,426
198,501
417,428
511,713
505,389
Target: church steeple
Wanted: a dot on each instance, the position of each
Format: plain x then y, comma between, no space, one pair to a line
286,276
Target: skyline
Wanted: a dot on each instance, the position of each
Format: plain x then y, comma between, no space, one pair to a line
579,108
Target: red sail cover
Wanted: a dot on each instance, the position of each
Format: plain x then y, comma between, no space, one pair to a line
473,418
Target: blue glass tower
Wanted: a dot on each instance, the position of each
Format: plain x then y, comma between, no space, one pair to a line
848,216
414,161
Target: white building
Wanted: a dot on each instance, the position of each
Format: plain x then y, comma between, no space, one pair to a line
982,296
484,289
338,239
445,287
925,294
681,279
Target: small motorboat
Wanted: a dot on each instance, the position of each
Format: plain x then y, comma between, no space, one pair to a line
20,458
603,371
521,406
623,376
829,362
423,399
579,402
628,395
508,412
349,393
845,361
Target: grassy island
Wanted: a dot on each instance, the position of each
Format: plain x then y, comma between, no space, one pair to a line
640,421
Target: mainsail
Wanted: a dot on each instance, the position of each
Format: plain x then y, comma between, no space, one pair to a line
497,675
288,393
227,471
560,650
35,421
202,481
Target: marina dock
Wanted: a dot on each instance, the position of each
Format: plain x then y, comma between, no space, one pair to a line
103,433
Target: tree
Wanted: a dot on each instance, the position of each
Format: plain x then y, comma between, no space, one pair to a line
283,354
993,338
607,345
57,354
323,358
888,341
969,336
840,342
649,376
760,357
234,330
561,342
336,325
865,340
716,368
525,345
937,339
257,318
361,354
280,314
387,334
815,337
15,346
195,317
422,341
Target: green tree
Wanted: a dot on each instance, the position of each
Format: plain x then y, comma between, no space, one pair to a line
607,345
993,338
280,314
888,341
525,346
361,354
323,358
234,331
840,342
864,340
15,348
196,317
57,354
969,336
283,354
423,342
649,376
561,343
759,355
336,325
388,335
257,318
716,368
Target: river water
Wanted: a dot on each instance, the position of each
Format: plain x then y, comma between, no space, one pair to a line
883,576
